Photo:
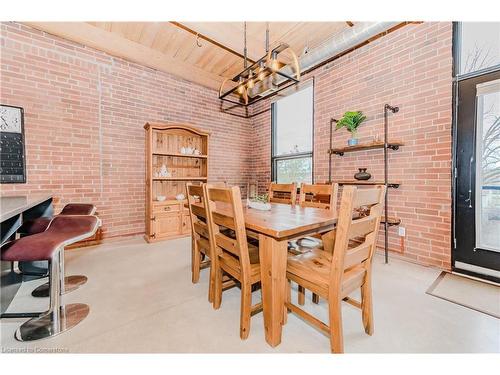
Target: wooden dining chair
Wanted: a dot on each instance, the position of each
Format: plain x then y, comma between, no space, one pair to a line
234,256
317,196
282,193
200,245
335,276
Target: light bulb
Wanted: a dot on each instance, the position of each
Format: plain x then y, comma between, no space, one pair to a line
274,62
250,80
240,86
260,75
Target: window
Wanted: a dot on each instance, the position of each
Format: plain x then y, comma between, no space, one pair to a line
292,137
479,46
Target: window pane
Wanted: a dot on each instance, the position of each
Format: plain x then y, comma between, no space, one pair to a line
294,123
480,46
488,178
294,170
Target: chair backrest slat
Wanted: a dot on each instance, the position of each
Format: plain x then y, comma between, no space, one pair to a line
201,228
282,193
227,244
356,255
220,195
197,211
366,197
362,227
223,220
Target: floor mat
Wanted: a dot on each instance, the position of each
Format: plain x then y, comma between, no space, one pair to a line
476,295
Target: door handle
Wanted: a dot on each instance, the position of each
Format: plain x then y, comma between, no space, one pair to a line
469,199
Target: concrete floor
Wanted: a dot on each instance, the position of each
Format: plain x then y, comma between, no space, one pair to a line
142,300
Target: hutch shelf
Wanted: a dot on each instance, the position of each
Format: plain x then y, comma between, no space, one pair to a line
168,169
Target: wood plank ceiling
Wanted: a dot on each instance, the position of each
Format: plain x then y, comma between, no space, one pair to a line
175,48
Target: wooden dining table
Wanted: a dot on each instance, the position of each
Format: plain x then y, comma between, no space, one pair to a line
274,229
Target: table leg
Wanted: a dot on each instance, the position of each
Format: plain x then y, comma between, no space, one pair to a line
273,255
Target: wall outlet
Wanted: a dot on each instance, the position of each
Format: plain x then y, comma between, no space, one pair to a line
402,231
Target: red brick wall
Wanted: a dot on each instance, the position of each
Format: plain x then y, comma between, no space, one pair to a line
84,112
84,117
409,68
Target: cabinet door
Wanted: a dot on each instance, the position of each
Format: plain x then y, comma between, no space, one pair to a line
167,225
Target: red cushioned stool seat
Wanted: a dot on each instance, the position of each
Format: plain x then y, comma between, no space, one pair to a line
40,224
41,246
78,209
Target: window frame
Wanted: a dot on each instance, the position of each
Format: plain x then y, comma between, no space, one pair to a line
456,53
276,158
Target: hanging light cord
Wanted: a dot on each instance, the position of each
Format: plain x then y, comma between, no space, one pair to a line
245,62
267,37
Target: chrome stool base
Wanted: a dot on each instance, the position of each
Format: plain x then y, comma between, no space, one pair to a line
70,283
49,325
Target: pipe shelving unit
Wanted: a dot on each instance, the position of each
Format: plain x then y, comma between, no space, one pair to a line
385,145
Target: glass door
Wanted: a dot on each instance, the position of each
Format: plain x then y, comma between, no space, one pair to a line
477,177
476,185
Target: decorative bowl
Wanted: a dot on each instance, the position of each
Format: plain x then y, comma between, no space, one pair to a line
263,206
180,197
160,198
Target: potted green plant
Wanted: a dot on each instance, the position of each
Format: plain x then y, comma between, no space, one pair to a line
351,121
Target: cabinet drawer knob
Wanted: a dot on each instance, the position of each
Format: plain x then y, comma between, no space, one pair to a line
168,208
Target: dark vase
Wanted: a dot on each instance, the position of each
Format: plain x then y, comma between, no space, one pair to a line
362,175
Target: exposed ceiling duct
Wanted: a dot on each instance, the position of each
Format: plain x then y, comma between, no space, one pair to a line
344,41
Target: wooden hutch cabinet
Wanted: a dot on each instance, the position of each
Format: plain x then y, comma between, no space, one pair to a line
175,154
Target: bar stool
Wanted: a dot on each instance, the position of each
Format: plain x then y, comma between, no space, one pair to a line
39,225
49,246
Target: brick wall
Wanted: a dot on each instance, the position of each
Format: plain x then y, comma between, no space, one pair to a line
84,112
84,117
410,68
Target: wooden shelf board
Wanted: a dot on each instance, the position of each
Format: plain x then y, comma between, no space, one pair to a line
391,220
180,178
168,202
180,155
369,183
394,144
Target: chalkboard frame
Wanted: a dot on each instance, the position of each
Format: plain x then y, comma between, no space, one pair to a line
23,181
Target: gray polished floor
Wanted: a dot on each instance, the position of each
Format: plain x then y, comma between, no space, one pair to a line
142,300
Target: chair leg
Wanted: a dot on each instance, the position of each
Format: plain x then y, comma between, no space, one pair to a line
301,295
367,306
217,287
288,299
211,282
195,264
315,298
336,335
246,309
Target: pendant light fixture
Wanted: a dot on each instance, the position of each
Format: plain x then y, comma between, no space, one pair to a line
258,81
